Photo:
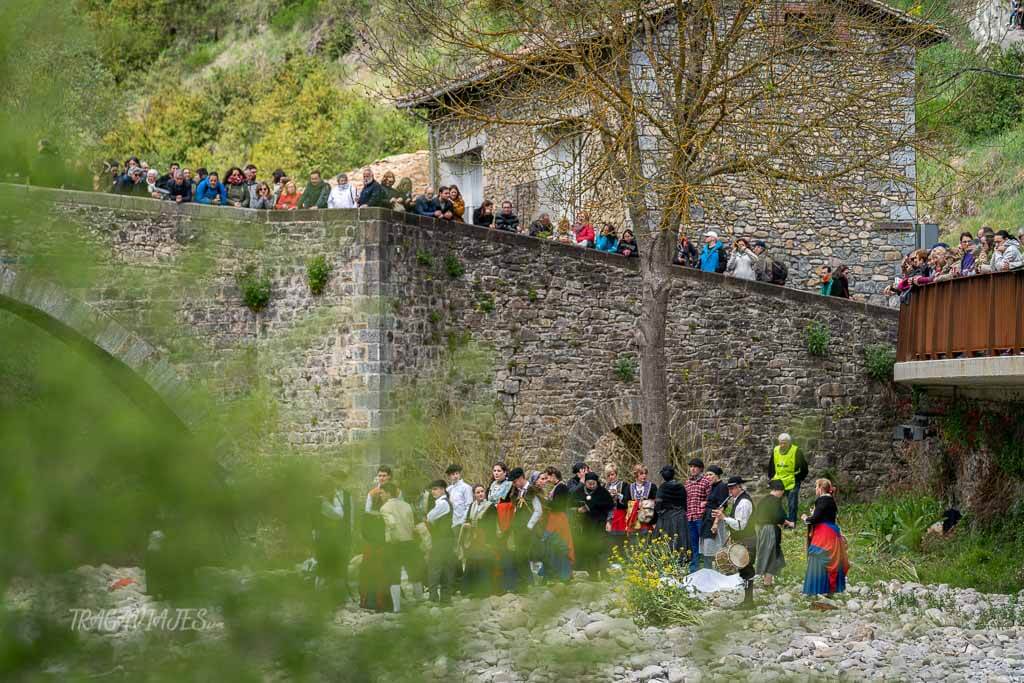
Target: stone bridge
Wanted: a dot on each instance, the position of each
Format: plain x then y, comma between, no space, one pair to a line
154,295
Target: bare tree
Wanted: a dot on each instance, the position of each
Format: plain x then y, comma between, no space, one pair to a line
656,114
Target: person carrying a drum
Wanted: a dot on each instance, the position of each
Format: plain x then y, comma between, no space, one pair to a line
741,532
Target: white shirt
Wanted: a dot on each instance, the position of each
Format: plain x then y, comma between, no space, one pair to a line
369,500
538,510
743,510
440,509
461,495
398,521
342,197
741,265
335,507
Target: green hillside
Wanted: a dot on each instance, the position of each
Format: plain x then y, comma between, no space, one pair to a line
201,83
280,83
971,105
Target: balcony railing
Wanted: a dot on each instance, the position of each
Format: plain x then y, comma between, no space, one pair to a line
968,317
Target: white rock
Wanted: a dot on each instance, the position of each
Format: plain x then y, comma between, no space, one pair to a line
651,671
597,629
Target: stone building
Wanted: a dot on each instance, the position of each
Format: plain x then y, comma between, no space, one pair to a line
541,169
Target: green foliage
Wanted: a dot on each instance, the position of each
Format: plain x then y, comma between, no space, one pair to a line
54,87
879,360
255,287
294,13
531,295
969,425
201,55
902,602
317,273
453,266
817,337
339,40
425,259
287,122
485,303
434,317
975,105
625,368
900,523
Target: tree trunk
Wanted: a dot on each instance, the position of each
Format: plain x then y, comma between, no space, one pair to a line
655,288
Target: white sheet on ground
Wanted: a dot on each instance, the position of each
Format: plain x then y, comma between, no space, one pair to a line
710,581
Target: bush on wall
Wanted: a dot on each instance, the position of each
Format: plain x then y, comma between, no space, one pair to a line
999,429
817,338
317,273
255,288
879,360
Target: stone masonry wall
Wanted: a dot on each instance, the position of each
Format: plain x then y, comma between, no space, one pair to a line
168,273
558,319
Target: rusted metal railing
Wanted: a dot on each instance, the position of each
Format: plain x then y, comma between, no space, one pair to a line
981,315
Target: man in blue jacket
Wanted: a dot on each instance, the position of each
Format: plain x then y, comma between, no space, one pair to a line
212,191
712,256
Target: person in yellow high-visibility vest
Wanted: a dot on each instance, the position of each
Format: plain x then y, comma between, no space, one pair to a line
788,465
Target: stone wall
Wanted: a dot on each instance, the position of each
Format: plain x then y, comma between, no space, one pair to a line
168,274
558,318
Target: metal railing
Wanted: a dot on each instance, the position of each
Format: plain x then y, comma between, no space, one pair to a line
982,315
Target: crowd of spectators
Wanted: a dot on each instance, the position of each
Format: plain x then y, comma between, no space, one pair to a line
990,252
242,188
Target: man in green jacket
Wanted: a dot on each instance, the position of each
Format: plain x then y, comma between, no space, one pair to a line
788,465
316,193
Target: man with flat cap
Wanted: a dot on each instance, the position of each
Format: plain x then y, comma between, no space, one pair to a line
741,531
697,488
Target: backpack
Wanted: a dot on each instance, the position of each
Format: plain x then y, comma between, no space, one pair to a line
780,271
723,259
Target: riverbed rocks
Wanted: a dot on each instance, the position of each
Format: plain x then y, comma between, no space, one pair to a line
886,631
889,631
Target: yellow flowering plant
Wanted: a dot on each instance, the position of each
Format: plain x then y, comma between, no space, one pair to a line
651,583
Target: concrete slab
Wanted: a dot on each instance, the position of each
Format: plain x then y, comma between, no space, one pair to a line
997,371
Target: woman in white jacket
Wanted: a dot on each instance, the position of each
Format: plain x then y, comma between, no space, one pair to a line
1007,254
343,195
741,263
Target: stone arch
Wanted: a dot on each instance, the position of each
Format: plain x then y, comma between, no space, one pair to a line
608,417
138,368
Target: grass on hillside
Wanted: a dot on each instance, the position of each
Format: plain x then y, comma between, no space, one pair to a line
989,190
985,559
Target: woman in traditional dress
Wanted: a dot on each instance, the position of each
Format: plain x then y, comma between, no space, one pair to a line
479,536
640,502
500,494
593,504
827,563
769,518
619,491
559,551
670,507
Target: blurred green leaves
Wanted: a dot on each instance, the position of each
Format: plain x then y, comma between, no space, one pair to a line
54,85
